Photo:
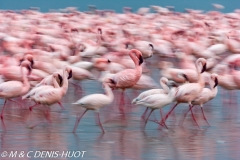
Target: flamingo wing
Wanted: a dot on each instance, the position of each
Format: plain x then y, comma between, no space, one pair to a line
94,101
188,89
126,78
11,88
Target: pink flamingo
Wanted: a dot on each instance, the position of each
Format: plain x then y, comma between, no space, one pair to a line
205,96
128,77
188,92
12,89
49,96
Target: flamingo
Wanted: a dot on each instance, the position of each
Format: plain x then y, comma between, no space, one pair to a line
188,92
12,89
50,95
205,96
164,83
157,101
13,72
55,77
95,102
165,90
128,77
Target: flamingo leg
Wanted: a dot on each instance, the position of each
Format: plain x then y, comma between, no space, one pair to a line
77,86
204,116
60,104
194,117
3,109
99,122
161,113
155,119
147,118
78,120
164,119
48,115
3,124
181,122
31,107
144,113
15,102
121,104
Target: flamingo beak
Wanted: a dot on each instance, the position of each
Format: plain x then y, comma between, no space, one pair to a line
112,81
204,68
126,46
70,74
140,60
151,46
29,70
32,62
216,82
109,61
60,78
185,76
100,30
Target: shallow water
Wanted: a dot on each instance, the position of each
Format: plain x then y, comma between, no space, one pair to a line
123,140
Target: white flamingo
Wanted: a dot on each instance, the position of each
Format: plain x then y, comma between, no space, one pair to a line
157,101
95,102
165,90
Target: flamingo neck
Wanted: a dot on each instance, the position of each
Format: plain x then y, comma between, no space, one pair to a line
108,91
164,86
132,54
26,85
99,39
200,79
55,84
65,83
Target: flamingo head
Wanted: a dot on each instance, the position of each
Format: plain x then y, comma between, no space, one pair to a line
152,49
99,30
29,57
183,76
110,82
70,74
57,75
140,59
97,61
204,64
27,65
69,70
